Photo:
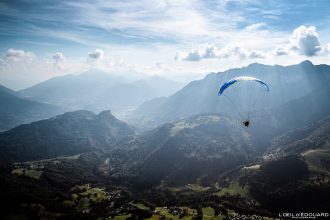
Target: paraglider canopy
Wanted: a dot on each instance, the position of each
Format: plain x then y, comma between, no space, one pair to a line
243,99
241,78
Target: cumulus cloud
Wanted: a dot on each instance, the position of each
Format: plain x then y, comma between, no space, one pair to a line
97,54
326,49
18,55
205,51
305,41
96,59
238,51
256,26
233,51
256,54
59,59
279,51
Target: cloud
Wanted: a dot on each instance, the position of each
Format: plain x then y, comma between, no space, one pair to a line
326,49
279,51
205,51
254,54
58,60
97,54
256,26
233,51
19,55
58,57
305,41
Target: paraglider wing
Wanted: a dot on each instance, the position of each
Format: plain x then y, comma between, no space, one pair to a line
241,78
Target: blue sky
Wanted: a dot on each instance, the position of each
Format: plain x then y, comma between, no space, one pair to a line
182,40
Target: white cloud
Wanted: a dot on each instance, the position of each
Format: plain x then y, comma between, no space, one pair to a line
58,57
20,68
256,54
256,26
58,60
279,51
205,51
326,49
19,55
305,41
233,51
97,54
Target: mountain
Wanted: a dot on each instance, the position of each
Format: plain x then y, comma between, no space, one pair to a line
200,163
205,161
312,139
96,90
286,84
68,134
293,173
198,148
16,110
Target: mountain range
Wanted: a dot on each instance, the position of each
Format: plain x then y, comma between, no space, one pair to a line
16,110
192,150
64,135
96,90
287,83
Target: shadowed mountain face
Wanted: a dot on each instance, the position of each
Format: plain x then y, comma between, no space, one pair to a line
96,90
64,135
286,84
200,147
305,140
16,110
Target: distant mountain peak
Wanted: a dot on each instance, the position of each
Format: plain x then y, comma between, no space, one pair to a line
106,114
306,62
68,134
256,64
79,114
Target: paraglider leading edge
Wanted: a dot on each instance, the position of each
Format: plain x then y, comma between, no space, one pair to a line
241,78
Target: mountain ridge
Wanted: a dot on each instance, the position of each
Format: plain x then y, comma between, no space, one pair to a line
16,110
64,135
286,84
96,90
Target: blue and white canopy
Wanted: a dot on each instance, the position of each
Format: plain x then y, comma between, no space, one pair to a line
238,79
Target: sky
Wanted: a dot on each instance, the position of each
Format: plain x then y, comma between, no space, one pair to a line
181,40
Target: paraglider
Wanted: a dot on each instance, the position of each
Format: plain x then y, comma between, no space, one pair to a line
246,123
226,85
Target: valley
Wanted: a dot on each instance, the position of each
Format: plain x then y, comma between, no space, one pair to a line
193,161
